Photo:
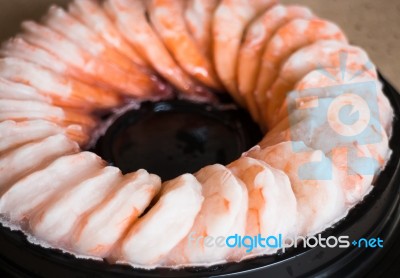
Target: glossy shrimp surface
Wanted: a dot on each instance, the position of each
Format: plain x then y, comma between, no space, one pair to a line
199,17
230,20
223,213
167,17
256,37
318,191
165,224
130,18
32,156
97,233
272,203
322,54
289,38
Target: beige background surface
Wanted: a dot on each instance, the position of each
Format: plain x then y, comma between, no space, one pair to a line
372,24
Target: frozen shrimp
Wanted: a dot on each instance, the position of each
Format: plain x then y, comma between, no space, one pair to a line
257,35
164,225
289,38
55,222
86,66
94,17
62,90
199,17
29,157
19,110
167,18
230,20
223,213
314,180
322,54
14,134
29,194
19,91
272,203
101,228
130,18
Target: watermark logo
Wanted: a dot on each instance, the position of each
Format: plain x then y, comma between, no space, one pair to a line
342,113
278,242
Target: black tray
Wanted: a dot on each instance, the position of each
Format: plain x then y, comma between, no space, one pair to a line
377,216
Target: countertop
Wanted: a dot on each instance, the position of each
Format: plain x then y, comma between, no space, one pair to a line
373,25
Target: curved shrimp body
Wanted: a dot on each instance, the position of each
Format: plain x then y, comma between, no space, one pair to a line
18,91
130,18
49,227
87,64
62,90
230,20
18,110
15,134
199,16
99,231
223,213
165,224
256,37
25,158
167,18
322,54
94,17
318,191
26,196
289,38
272,203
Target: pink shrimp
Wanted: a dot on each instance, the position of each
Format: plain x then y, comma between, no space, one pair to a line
167,17
94,17
130,18
164,225
223,213
55,222
24,160
230,20
76,61
257,35
289,38
199,16
62,90
272,203
26,196
15,134
99,231
322,54
320,199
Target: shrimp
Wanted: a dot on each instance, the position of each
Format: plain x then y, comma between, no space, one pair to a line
289,38
94,17
272,203
15,134
314,180
257,35
17,91
230,20
26,196
62,90
56,220
19,110
83,65
24,160
322,54
130,19
101,228
167,17
199,16
164,225
223,213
